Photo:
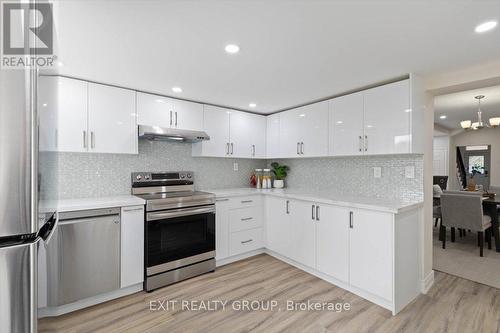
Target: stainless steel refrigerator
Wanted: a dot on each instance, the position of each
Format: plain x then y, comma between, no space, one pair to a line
22,227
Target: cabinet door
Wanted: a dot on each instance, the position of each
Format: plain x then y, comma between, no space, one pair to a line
346,125
187,115
370,248
332,242
112,120
314,129
291,125
63,114
132,246
303,228
222,228
273,136
278,226
247,135
216,124
387,119
154,110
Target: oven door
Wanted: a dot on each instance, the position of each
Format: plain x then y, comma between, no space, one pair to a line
179,237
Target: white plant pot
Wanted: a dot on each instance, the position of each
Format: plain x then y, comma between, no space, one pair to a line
279,183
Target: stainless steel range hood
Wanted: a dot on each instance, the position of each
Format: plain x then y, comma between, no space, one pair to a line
171,134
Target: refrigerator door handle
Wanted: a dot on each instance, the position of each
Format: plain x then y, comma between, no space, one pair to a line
49,228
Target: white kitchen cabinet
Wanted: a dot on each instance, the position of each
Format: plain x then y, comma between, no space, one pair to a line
387,119
132,246
273,136
112,120
332,242
222,228
304,131
216,125
247,135
187,115
62,105
346,125
278,226
245,241
371,252
154,110
303,230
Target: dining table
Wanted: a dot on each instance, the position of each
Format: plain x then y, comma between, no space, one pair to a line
490,208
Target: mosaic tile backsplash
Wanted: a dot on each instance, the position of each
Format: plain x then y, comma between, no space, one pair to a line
82,175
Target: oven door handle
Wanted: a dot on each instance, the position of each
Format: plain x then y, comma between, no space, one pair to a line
179,212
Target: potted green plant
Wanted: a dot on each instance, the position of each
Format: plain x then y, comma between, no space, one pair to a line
280,173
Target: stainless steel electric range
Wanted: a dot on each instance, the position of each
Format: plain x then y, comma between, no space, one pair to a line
179,227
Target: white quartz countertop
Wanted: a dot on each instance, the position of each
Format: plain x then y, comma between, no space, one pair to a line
69,205
325,197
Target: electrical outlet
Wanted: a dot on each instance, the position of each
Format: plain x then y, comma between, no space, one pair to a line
410,171
235,166
377,172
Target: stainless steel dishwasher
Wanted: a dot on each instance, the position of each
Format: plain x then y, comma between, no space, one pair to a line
83,259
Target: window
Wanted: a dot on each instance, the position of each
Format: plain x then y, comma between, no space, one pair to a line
476,165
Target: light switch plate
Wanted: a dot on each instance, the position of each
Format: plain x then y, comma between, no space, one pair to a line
377,172
235,166
410,171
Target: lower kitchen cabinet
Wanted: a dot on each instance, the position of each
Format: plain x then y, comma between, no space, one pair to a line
303,229
132,246
222,228
278,230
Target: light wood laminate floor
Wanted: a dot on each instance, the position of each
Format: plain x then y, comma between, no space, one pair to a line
452,305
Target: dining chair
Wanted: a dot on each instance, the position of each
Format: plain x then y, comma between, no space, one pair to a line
464,211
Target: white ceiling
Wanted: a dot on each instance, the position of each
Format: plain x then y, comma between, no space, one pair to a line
292,52
463,106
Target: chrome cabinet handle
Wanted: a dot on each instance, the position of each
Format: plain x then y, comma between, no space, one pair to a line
351,220
360,143
247,219
227,148
253,150
247,241
219,200
288,206
302,148
84,139
298,148
366,142
56,137
92,139
317,213
312,212
175,118
170,117
232,148
132,209
246,201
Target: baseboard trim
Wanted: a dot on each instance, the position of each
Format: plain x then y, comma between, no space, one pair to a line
84,303
229,260
427,282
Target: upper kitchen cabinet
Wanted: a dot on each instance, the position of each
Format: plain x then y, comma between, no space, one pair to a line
346,125
304,131
112,120
387,119
155,110
62,108
216,125
273,135
232,134
247,133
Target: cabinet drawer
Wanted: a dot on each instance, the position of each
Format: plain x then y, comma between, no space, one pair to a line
250,201
245,219
245,241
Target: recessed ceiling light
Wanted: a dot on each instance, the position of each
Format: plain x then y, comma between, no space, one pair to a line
60,63
159,100
44,105
176,89
407,110
232,48
252,105
340,122
442,117
369,126
302,115
486,26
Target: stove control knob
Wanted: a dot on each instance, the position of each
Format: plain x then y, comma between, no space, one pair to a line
183,176
138,177
189,175
146,177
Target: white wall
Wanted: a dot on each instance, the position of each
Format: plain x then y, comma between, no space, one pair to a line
486,136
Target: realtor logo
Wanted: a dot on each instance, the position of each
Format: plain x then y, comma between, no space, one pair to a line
27,35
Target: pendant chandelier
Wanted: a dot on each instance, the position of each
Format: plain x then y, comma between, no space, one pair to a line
479,124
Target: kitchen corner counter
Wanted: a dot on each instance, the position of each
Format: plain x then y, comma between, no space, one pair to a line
68,205
325,197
